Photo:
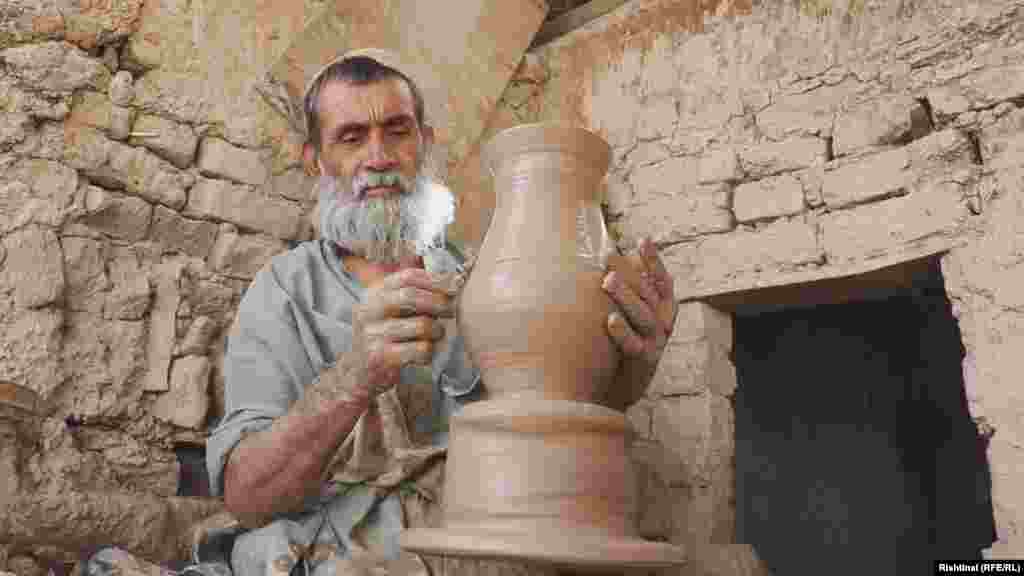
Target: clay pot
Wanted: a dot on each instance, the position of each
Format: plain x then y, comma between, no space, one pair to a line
540,470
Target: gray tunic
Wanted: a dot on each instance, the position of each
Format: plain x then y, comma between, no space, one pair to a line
292,322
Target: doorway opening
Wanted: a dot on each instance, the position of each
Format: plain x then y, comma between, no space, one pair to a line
855,449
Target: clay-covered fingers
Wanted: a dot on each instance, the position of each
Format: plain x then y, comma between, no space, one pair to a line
635,301
405,329
409,293
660,280
622,333
382,355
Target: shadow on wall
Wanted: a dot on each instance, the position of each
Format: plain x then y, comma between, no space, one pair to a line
853,439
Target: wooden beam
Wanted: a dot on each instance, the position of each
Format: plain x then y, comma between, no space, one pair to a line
573,19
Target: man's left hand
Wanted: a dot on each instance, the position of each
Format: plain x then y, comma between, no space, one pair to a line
643,321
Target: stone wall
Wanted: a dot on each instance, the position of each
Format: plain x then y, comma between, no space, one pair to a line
786,143
142,184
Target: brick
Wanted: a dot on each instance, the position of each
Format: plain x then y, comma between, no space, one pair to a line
872,178
698,320
116,215
890,120
947,102
33,269
719,166
773,197
673,177
169,140
179,234
1002,143
187,402
244,206
770,158
218,159
162,324
672,218
928,213
242,255
992,85
721,261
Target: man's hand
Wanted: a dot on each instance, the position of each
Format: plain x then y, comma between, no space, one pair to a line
644,321
397,324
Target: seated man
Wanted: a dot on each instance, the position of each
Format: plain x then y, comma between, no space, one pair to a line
343,366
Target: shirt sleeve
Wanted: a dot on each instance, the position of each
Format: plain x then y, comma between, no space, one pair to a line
266,366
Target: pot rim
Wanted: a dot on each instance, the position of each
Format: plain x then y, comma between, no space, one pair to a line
544,137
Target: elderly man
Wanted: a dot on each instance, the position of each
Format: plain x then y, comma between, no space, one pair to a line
343,366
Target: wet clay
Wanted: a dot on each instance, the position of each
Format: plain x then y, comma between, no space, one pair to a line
540,471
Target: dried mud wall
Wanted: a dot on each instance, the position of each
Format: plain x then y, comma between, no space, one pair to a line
786,142
142,184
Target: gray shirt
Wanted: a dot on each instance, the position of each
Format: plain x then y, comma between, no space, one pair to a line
293,321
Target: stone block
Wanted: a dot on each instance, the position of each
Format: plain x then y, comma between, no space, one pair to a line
162,323
672,218
887,121
30,350
169,140
639,415
721,261
770,158
115,165
651,464
55,67
242,255
808,113
36,191
130,295
200,335
218,159
948,147
122,88
117,215
872,178
689,368
177,233
175,95
85,274
930,213
719,166
246,207
773,197
187,402
696,428
33,269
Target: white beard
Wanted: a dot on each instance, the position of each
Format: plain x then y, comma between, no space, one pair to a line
390,229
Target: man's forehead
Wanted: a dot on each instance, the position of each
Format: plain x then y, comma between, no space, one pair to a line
344,102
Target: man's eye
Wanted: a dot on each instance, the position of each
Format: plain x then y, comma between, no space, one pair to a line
399,130
349,139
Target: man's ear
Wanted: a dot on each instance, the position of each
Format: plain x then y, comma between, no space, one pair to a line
310,161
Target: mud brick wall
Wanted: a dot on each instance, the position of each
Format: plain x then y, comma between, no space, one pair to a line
142,184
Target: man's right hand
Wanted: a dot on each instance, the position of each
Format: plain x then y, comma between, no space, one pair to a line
398,324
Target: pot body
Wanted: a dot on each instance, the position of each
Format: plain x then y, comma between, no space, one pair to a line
533,311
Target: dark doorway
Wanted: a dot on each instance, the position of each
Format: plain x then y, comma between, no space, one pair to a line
855,451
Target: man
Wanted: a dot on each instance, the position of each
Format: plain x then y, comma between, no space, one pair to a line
342,367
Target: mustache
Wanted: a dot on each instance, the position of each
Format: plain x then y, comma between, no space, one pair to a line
363,181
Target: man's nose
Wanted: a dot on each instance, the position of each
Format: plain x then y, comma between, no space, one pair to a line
380,156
